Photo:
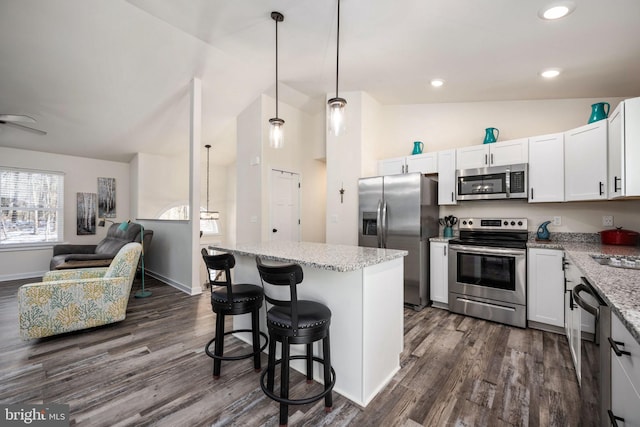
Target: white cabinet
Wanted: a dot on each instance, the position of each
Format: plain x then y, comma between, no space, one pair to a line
423,163
391,166
625,375
447,177
473,157
496,154
546,168
624,150
572,316
439,273
585,165
545,286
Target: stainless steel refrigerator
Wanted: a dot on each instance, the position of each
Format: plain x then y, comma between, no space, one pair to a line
401,212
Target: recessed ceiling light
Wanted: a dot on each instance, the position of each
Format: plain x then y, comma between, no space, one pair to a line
550,73
556,10
437,82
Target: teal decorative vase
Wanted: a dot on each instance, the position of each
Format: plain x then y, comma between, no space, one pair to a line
491,135
448,232
543,233
599,111
417,147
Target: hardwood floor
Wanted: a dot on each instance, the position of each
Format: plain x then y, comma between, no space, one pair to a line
151,369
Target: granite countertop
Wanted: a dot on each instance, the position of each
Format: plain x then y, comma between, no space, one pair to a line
618,287
325,256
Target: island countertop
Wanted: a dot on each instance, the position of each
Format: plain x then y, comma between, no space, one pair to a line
325,256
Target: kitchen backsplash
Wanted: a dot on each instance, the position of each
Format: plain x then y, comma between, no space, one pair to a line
576,217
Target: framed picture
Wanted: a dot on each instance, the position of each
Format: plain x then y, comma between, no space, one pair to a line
106,197
86,213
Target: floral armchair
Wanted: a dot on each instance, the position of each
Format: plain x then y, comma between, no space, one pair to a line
69,300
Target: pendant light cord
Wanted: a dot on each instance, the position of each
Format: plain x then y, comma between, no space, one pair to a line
276,68
337,49
208,147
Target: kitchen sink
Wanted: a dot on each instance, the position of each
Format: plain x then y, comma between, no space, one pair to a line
632,262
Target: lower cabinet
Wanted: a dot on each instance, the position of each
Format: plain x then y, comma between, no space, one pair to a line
545,299
439,273
625,376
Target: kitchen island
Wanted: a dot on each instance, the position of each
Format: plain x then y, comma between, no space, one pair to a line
363,288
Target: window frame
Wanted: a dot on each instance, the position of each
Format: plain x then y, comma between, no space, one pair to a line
58,209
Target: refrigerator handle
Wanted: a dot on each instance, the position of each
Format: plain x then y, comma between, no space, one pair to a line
379,223
384,224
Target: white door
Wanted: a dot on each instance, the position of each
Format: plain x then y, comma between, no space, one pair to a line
392,166
585,162
285,206
447,177
546,168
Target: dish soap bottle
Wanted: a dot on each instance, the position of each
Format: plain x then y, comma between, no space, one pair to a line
543,233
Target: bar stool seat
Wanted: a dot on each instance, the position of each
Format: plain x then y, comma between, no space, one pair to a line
295,322
230,299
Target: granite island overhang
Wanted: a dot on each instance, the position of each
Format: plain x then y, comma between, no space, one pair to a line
363,288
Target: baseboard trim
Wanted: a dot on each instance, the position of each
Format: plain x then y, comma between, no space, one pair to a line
180,286
36,275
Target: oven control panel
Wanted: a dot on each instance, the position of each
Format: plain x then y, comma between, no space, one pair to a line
493,224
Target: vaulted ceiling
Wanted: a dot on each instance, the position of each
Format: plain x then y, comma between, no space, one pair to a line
109,78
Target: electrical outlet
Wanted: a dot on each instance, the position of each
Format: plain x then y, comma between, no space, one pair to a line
557,220
607,221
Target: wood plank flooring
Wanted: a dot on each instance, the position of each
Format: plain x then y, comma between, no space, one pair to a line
151,369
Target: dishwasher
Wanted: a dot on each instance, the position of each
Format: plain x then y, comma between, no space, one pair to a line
586,297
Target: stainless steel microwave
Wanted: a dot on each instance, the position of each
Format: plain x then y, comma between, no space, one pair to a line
497,182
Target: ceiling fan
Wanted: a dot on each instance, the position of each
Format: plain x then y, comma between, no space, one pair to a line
16,120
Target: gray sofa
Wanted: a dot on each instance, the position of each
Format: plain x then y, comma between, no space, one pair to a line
100,255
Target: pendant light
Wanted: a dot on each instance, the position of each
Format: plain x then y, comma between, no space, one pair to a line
276,136
337,104
209,219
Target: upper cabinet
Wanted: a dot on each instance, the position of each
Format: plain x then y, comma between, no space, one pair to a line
624,150
423,163
447,177
496,154
546,168
585,165
391,166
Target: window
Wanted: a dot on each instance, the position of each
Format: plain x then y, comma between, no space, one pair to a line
31,207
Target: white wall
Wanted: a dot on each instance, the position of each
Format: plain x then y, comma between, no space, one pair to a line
454,125
578,217
349,157
248,173
81,175
303,142
163,183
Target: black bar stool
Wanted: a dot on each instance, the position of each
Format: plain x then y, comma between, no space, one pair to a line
230,299
295,322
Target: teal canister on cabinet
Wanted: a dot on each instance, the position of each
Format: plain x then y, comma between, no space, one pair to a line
491,135
599,111
418,146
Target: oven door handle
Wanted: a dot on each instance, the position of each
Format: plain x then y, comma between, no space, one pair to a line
484,250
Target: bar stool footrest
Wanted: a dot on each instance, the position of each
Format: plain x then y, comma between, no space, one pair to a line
242,356
304,401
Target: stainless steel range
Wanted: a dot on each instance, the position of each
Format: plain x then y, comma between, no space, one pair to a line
488,270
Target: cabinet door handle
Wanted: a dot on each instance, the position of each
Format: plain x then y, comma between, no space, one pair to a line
614,420
615,184
614,346
406,168
571,300
452,196
485,159
491,158
531,193
601,188
445,250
